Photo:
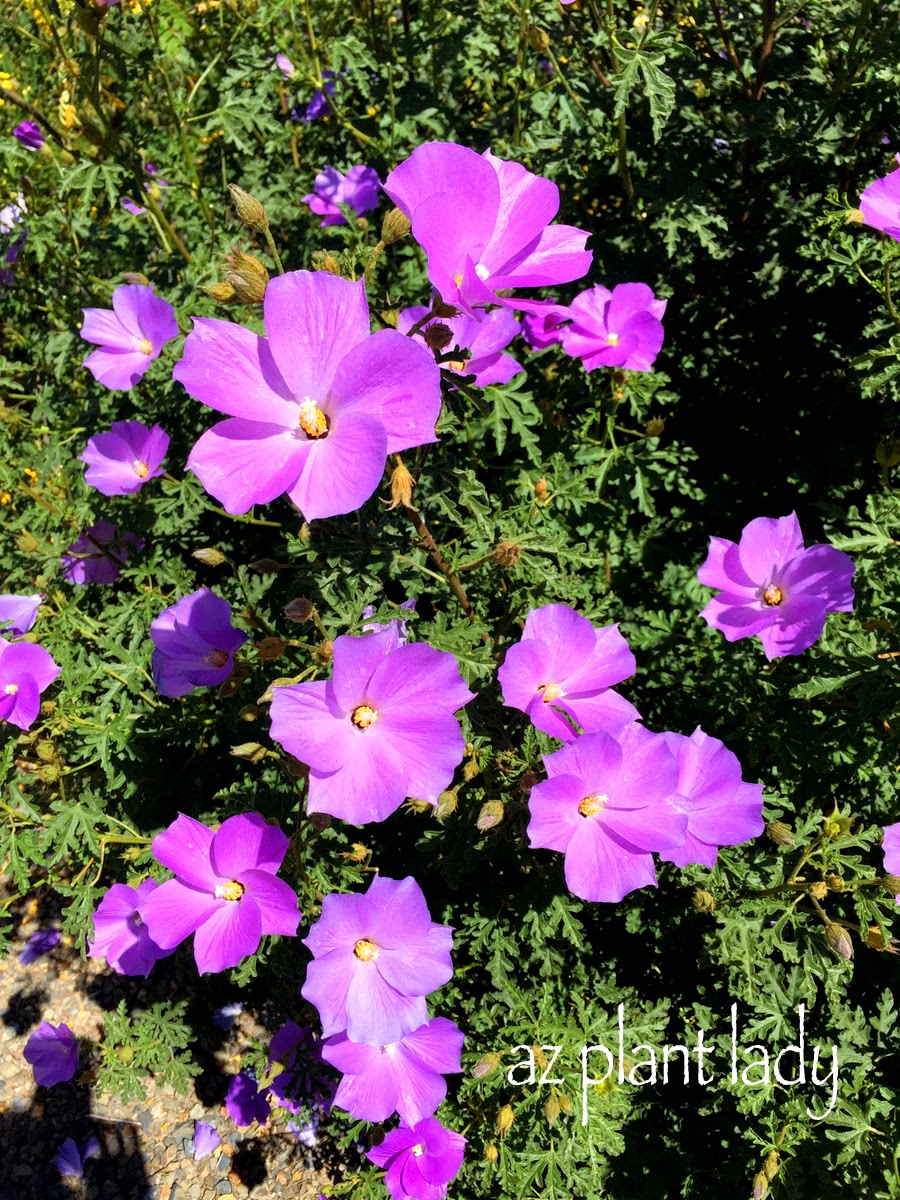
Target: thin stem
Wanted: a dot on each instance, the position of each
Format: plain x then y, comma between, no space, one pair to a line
449,574
273,250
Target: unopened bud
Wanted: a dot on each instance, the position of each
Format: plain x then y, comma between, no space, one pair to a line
818,890
324,652
265,566
655,426
564,1102
445,311
887,452
834,883
320,821
505,1119
249,751
492,813
323,261
485,1065
27,542
210,557
540,488
703,901
836,826
67,157
248,276
249,712
295,768
839,940
395,226
552,1110
446,805
419,806
357,853
507,554
270,648
855,216
135,277
537,38
780,833
402,484
299,610
760,1186
471,769
437,337
491,1153
891,883
772,1165
222,293
390,317
249,209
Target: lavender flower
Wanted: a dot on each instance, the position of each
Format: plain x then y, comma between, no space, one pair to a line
285,66
358,189
99,554
225,892
621,328
486,339
26,670
38,944
11,214
19,613
122,461
398,624
380,730
891,846
29,135
304,1079
205,1137
880,204
774,587
375,958
195,643
306,1132
315,407
130,336
71,1156
120,935
541,329
561,674
52,1051
484,224
244,1102
420,1161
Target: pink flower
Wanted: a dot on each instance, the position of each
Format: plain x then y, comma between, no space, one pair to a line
130,336
359,189
880,204
26,670
120,935
420,1161
891,846
621,328
486,339
122,461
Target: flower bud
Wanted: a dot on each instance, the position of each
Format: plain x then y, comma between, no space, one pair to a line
537,40
394,226
772,1165
891,883
270,648
249,712
320,821
390,316
485,1065
505,1119
265,566
887,452
222,293
760,1186
135,277
419,806
540,488
491,1153
323,261
248,276
446,805
564,1102
839,940
402,484
357,853
210,557
703,901
552,1110
249,209
780,833
655,426
836,826
299,610
324,652
249,751
437,337
445,311
507,554
492,814
834,883
818,890
855,216
471,769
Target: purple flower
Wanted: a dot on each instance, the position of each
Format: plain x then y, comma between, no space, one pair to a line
120,935
774,587
359,188
28,134
19,613
153,186
319,106
604,807
306,1132
485,339
71,1156
398,624
315,407
244,1102
380,730
621,328
52,1051
406,1076
420,1161
12,214
225,892
26,670
195,643
722,810
375,959
485,225
304,1078
285,66
130,336
880,204
205,1137
561,674
99,554
541,329
122,461
891,846
39,944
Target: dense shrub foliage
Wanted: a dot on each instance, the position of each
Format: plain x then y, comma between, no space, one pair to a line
711,153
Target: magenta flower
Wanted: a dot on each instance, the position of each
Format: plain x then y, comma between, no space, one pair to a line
891,846
621,328
315,407
52,1051
604,806
245,1102
38,945
71,1156
26,670
305,1078
205,1140
225,891
774,587
122,461
99,554
420,1161
29,135
561,674
380,730
880,204
485,225
375,959
398,624
120,935
359,188
485,339
19,613
541,329
130,336
406,1076
722,810
195,643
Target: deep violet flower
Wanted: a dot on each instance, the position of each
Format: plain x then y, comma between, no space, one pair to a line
485,340
122,461
195,643
99,554
880,203
130,336
205,1140
39,944
26,670
304,1079
722,810
604,805
318,105
485,225
621,328
225,892
891,847
315,407
71,1156
224,1017
359,188
19,613
29,135
562,671
406,1076
120,935
245,1102
380,730
52,1051
775,587
375,959
420,1161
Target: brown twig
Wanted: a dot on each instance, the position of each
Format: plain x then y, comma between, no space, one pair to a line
435,551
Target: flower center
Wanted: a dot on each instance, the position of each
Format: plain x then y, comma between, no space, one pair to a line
11,689
140,468
612,339
552,691
144,346
366,950
772,594
217,658
312,420
418,1150
390,1049
229,891
591,805
364,716
457,364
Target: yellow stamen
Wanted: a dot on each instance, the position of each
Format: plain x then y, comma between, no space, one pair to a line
217,658
230,891
312,420
551,692
772,594
612,339
140,469
591,805
457,364
145,346
11,689
366,950
364,716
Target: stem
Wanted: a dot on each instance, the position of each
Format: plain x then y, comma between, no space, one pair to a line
449,574
273,250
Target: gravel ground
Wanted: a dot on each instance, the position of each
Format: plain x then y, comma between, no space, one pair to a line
146,1145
